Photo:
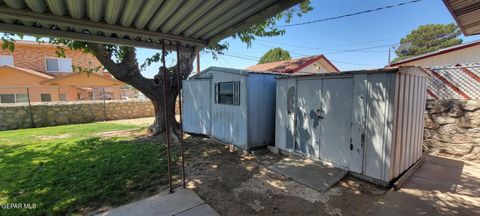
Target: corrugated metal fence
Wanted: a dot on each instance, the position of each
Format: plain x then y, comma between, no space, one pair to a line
460,81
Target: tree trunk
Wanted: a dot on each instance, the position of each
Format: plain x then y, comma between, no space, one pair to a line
128,72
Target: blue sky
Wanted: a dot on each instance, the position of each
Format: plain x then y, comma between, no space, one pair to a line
336,38
367,30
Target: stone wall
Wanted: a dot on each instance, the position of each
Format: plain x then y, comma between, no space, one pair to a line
452,127
61,113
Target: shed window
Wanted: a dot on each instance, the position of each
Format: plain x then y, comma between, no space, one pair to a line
59,65
227,93
45,97
6,60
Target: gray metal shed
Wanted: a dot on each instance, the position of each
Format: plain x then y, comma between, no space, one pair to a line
231,105
368,122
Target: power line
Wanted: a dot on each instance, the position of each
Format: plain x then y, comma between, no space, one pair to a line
350,14
352,63
240,57
251,58
337,51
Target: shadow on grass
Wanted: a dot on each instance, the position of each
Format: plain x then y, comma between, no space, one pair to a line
77,175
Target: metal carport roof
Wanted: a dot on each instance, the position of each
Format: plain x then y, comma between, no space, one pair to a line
141,23
467,14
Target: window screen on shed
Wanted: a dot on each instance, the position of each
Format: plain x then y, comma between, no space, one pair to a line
227,93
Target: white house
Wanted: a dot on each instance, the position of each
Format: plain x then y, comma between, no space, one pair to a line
306,65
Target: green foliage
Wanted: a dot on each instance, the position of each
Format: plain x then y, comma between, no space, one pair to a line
65,169
266,28
8,42
274,55
430,38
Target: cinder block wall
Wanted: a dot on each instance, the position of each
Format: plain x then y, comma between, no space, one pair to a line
61,113
452,127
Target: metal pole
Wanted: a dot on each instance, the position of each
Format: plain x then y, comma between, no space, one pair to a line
165,116
104,106
198,61
179,82
30,108
58,89
389,51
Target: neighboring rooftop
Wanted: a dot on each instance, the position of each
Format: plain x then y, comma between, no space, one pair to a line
296,65
438,52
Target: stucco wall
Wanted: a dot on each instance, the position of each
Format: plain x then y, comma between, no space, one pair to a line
32,55
50,114
452,127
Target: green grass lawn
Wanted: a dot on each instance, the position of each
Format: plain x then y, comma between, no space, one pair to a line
73,169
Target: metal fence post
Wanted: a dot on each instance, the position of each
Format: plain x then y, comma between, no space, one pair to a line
32,123
179,83
165,115
104,106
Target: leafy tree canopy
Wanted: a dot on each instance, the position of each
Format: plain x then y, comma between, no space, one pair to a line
429,38
274,55
122,63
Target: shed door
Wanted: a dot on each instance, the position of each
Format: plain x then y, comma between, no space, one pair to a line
335,114
308,105
196,106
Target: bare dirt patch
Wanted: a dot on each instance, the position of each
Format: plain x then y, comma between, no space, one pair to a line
138,121
234,183
61,136
119,133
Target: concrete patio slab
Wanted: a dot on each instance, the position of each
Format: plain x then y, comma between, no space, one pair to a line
440,187
183,202
308,172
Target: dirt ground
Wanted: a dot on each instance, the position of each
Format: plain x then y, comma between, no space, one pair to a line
234,183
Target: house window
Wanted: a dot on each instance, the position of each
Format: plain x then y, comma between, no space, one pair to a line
13,98
21,98
63,97
7,98
227,93
6,60
45,97
58,64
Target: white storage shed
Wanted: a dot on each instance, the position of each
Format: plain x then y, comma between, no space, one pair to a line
368,122
231,105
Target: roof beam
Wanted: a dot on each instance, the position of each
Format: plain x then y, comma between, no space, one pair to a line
91,26
20,29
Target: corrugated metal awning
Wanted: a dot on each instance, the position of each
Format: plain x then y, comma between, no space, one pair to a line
466,14
142,23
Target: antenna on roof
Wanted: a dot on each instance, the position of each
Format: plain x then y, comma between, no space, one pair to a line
402,48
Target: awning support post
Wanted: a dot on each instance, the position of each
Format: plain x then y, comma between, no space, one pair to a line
179,83
165,116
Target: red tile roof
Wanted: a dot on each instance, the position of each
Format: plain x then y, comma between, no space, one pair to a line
290,66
